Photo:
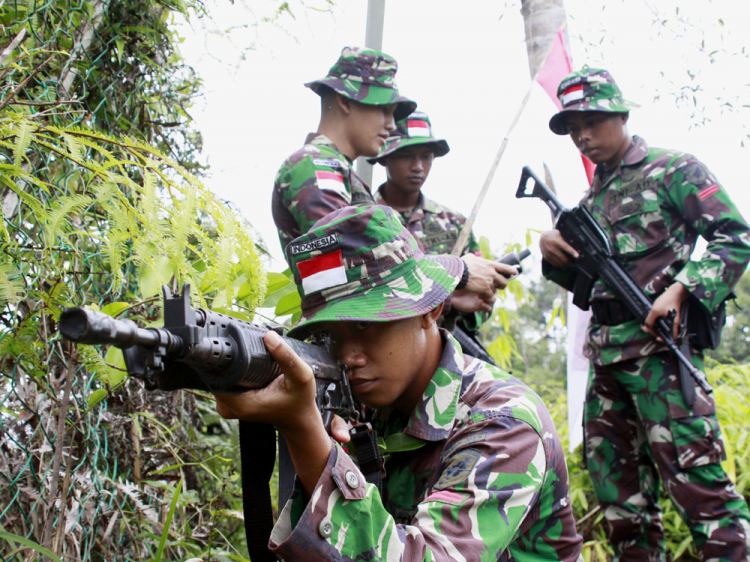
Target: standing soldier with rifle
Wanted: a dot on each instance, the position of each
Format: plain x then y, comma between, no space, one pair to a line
641,424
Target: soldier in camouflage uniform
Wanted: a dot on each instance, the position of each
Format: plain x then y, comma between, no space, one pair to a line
639,428
408,156
359,101
483,476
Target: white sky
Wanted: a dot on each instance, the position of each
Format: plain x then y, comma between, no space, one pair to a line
466,66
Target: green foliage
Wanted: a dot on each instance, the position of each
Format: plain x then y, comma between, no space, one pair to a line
735,339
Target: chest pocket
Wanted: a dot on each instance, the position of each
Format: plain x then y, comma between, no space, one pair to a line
438,234
638,225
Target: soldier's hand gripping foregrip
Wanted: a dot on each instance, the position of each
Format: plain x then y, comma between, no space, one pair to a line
597,258
205,350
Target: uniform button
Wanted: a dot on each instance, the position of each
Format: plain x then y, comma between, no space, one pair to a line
351,480
325,528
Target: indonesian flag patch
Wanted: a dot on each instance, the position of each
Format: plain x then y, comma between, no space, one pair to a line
322,272
708,192
330,180
418,128
574,93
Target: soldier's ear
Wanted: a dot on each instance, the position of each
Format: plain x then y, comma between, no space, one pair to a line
430,318
625,117
344,103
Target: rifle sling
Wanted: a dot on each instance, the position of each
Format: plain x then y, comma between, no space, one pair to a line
257,455
370,461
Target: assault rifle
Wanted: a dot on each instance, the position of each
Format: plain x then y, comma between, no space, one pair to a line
468,341
598,259
206,350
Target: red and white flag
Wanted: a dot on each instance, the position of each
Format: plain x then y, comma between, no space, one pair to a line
418,128
574,93
322,272
557,67
330,180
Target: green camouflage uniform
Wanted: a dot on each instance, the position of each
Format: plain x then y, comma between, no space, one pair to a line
318,178
311,183
638,427
435,227
488,479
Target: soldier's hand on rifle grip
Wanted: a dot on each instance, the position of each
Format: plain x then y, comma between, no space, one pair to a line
288,403
669,301
556,250
340,430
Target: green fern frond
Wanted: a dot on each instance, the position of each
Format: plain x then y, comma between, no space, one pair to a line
11,282
63,207
23,139
74,147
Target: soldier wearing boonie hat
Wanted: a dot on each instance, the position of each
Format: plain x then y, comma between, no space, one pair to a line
479,435
359,101
638,419
589,89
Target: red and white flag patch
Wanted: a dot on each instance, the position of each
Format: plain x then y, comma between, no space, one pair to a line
708,192
574,93
322,272
330,180
418,128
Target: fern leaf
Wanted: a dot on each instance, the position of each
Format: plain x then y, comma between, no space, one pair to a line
74,147
11,282
63,207
23,139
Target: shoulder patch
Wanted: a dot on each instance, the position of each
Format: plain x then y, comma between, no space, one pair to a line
708,192
443,496
458,468
327,162
323,243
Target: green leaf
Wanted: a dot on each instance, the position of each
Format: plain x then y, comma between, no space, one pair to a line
31,544
23,139
115,376
97,396
168,522
115,308
276,281
120,47
289,304
401,442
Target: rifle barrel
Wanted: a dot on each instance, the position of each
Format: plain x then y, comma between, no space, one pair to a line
91,327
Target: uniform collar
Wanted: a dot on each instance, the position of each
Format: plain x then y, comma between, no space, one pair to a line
317,139
423,203
636,153
432,419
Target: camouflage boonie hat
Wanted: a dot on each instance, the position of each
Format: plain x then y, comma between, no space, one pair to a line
368,77
589,89
362,264
411,130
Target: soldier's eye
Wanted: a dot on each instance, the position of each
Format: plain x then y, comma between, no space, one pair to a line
362,325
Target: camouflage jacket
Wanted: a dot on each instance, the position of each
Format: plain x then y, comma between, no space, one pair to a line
435,227
311,183
488,481
654,205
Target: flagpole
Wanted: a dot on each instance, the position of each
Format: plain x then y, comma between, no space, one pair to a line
463,238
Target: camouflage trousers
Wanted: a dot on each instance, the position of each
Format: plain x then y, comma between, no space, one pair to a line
639,431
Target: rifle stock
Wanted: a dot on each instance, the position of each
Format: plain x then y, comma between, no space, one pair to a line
598,258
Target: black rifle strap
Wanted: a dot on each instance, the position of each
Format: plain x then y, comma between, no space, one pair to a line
258,456
687,384
365,442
